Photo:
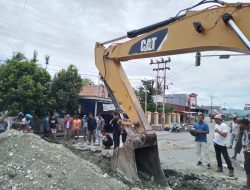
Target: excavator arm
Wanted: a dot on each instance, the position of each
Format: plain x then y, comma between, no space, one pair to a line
224,27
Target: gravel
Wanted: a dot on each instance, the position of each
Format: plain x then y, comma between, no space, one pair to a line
29,162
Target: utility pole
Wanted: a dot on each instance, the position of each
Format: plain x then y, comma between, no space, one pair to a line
157,82
46,60
211,115
164,69
146,99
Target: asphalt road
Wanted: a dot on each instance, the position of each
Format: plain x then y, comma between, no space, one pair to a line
177,151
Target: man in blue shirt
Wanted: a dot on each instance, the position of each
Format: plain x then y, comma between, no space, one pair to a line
201,140
46,127
3,124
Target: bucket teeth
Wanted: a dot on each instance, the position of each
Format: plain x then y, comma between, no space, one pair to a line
128,161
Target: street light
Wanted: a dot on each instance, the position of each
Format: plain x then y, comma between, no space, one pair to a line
221,56
198,59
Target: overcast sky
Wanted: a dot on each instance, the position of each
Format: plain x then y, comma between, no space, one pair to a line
68,30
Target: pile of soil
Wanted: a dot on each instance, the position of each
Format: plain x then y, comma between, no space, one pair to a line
29,162
176,180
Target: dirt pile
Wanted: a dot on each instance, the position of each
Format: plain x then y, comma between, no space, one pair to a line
95,154
176,180
29,162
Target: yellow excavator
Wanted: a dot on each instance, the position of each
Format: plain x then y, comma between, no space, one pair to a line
221,26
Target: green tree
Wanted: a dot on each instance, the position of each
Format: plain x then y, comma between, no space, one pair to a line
87,82
148,86
167,108
152,107
64,90
23,86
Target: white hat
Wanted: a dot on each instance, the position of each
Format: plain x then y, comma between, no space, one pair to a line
218,116
235,116
199,113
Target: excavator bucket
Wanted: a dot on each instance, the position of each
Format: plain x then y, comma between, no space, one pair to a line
131,160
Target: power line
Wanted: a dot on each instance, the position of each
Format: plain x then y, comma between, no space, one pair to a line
177,74
61,29
21,18
50,46
83,74
57,70
67,66
164,69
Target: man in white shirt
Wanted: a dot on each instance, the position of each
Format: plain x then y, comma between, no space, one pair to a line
220,144
244,124
100,125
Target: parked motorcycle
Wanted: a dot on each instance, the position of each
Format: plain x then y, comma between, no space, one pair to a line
176,128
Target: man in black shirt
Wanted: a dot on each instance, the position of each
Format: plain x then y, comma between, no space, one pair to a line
52,123
17,121
116,130
107,140
91,128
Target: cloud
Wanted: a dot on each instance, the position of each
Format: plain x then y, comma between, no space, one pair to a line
69,30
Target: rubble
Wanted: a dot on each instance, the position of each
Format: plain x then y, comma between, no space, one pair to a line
177,180
37,164
29,162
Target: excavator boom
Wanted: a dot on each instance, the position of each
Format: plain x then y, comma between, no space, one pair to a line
225,27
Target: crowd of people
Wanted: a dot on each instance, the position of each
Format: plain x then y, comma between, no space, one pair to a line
93,129
21,123
94,133
239,132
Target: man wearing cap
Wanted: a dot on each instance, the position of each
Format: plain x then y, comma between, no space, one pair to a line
220,144
201,140
234,130
26,123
